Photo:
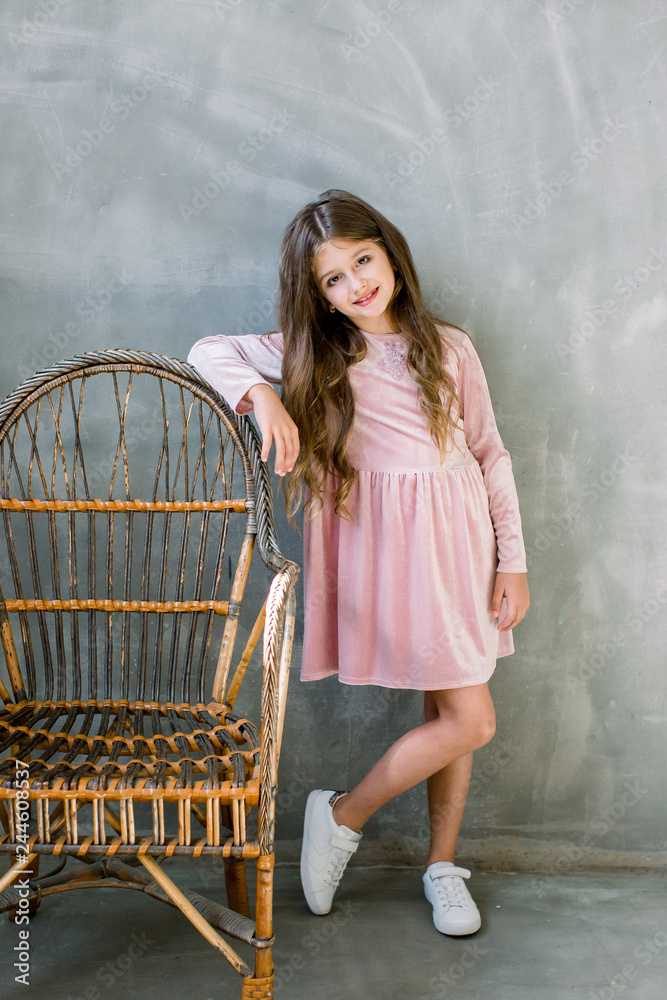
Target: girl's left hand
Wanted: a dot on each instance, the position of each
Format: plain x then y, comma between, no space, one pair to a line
514,588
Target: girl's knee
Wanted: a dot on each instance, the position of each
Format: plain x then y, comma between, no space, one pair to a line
476,731
485,723
470,710
484,730
469,731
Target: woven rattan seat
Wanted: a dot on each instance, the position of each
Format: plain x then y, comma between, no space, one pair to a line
132,499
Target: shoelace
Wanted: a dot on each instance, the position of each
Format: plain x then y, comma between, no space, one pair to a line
337,866
451,888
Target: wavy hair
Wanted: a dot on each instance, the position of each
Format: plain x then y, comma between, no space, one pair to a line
320,347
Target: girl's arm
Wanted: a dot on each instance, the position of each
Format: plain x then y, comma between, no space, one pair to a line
494,460
243,369
234,364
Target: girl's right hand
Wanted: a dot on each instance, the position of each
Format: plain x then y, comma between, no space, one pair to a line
276,426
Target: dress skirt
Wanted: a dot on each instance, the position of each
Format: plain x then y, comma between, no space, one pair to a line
401,595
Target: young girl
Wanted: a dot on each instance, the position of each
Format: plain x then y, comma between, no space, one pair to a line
414,564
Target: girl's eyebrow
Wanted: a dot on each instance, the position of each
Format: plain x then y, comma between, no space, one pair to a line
357,253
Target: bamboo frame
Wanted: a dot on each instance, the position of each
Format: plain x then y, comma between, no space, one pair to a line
15,870
120,506
92,604
113,697
229,635
239,673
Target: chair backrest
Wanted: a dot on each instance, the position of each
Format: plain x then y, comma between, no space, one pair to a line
131,498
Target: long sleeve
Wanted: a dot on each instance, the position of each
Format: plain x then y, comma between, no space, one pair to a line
493,458
234,364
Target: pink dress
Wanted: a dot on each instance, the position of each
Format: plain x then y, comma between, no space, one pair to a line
401,595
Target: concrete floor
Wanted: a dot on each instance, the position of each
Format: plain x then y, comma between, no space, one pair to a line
580,937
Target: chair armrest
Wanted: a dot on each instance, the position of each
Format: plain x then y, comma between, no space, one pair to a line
277,651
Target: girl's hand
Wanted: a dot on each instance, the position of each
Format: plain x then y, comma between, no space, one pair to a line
514,587
276,426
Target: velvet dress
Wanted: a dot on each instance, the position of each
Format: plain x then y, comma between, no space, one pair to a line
401,595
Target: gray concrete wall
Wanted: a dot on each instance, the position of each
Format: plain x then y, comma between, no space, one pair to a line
152,154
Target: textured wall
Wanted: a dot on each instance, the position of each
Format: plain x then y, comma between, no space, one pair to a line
152,154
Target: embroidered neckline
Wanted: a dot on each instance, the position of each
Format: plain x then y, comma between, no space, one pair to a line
395,360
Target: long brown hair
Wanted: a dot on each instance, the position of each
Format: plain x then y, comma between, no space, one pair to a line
319,346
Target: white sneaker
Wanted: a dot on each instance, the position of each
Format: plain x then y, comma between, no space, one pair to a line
326,850
454,909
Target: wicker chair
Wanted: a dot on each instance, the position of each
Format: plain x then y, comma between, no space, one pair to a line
126,483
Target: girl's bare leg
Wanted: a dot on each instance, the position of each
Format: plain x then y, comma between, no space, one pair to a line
465,721
447,793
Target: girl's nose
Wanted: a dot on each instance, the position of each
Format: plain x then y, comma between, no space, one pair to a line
357,284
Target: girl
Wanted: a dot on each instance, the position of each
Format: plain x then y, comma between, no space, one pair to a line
414,564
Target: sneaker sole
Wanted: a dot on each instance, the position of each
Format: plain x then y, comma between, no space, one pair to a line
460,933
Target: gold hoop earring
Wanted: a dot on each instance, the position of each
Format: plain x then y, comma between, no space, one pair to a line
332,309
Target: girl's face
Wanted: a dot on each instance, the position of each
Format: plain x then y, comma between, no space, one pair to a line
358,279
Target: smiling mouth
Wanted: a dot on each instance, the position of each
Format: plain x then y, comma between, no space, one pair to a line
367,298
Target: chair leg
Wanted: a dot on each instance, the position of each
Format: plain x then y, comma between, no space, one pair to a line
260,986
255,988
236,885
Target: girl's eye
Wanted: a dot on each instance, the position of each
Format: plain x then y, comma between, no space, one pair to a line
335,278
